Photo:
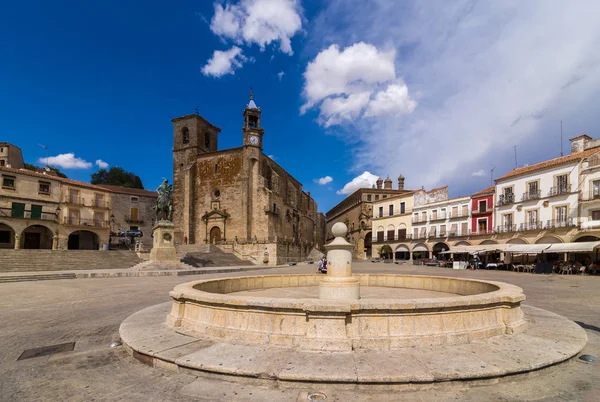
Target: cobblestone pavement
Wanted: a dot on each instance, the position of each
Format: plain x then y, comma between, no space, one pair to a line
89,312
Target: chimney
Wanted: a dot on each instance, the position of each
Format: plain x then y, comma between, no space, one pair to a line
379,182
388,183
400,182
579,143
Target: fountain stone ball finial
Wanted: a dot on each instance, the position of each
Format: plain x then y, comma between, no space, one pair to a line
339,229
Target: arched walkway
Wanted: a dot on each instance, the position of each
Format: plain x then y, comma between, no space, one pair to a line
215,235
402,252
489,242
420,251
368,244
83,240
548,240
7,236
438,248
463,243
36,237
517,241
582,239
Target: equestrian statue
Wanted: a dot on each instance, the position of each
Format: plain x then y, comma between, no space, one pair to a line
164,202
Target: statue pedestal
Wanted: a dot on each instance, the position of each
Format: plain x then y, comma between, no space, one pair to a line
163,245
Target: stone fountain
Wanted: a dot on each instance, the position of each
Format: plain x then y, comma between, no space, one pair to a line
275,323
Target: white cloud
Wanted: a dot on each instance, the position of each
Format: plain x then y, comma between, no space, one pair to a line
280,75
487,76
224,62
359,80
365,180
324,180
259,22
101,164
66,161
479,173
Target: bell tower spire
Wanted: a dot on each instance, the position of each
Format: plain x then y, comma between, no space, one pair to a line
252,130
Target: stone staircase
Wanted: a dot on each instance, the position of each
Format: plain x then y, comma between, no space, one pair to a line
42,277
65,260
207,255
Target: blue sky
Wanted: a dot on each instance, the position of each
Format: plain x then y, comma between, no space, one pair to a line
438,92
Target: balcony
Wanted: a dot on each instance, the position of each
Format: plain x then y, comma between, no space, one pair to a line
506,228
419,220
592,195
482,211
79,201
440,217
76,221
459,215
561,223
482,232
531,226
559,190
505,199
386,239
134,219
531,195
27,214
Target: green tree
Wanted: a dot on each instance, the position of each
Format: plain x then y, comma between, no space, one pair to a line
117,177
39,169
385,251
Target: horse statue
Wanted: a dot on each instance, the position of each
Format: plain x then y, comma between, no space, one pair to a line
164,202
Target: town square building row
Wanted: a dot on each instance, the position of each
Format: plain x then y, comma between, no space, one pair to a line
39,210
554,201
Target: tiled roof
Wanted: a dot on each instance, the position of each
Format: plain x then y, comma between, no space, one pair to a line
28,172
487,190
130,191
574,157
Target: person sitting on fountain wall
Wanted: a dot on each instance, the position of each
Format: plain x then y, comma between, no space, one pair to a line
320,265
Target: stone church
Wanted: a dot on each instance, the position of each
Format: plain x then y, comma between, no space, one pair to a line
240,199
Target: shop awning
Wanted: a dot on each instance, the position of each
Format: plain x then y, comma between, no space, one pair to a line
527,248
582,247
481,248
420,247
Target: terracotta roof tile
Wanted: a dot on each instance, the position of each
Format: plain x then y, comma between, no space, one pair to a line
28,172
487,190
576,156
130,191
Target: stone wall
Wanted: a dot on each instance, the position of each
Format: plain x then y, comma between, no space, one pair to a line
122,205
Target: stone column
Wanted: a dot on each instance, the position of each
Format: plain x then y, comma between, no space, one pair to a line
55,242
339,283
17,241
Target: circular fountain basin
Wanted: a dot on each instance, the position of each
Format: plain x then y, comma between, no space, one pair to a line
397,311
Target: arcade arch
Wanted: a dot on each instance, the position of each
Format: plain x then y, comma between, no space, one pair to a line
36,237
83,240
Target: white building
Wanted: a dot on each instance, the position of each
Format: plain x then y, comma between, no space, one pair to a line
544,196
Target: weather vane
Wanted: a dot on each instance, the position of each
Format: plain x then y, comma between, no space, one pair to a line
196,109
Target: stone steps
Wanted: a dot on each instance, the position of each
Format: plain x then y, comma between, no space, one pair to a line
65,260
212,257
26,278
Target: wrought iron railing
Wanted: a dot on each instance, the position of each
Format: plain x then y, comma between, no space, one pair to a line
531,226
593,194
560,223
76,221
505,199
506,228
559,190
134,219
438,217
531,195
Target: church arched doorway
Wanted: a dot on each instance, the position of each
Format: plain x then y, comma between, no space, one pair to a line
368,246
215,235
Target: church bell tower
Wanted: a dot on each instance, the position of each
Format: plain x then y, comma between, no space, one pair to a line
253,133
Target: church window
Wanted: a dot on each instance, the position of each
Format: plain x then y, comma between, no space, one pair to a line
368,197
207,140
217,192
216,168
376,197
185,134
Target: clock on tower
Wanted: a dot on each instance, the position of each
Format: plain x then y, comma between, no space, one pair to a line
252,131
